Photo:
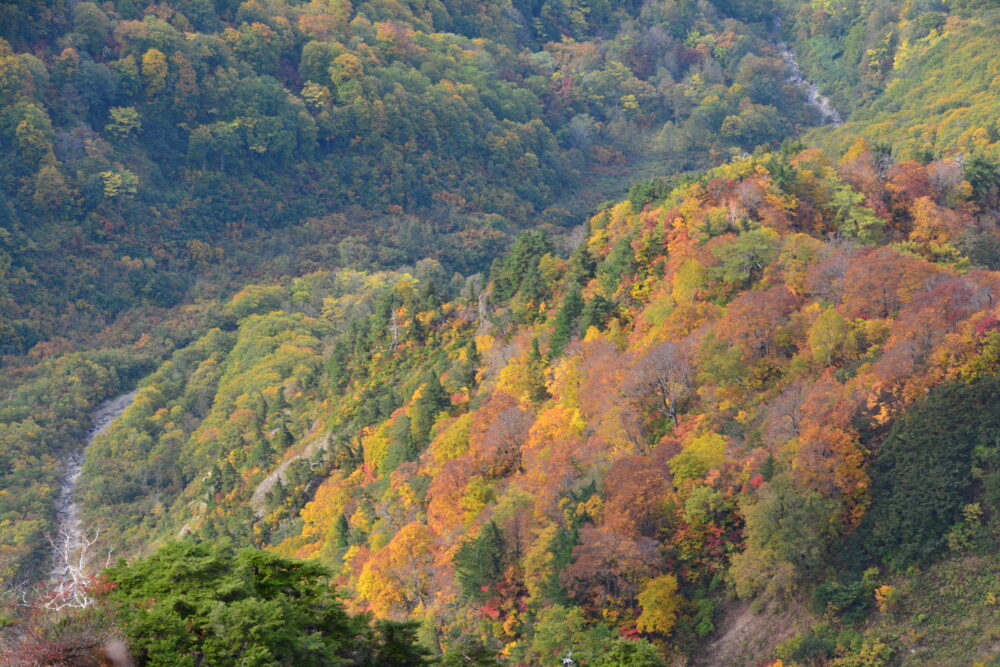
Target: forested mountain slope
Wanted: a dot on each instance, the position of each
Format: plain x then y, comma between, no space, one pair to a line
704,397
766,385
162,153
185,144
171,153
855,49
939,90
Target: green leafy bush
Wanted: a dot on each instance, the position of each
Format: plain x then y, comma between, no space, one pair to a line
193,604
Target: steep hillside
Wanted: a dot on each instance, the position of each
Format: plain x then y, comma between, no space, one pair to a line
941,96
856,49
164,154
173,153
744,415
163,150
704,398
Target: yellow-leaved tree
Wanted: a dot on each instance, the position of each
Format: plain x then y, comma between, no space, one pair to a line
397,580
660,604
704,453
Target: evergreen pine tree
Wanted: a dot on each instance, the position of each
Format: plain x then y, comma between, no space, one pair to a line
432,398
537,391
479,562
566,321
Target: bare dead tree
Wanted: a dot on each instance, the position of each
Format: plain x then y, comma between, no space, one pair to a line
77,560
666,371
394,328
60,624
502,440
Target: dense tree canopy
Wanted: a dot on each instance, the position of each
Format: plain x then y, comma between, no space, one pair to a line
330,245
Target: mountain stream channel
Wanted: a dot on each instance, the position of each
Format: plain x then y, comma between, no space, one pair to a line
70,537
